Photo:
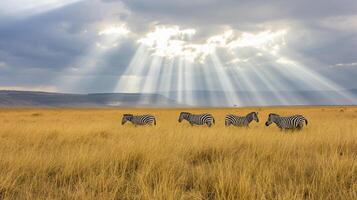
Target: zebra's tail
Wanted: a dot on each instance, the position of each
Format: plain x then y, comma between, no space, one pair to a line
155,121
306,121
214,122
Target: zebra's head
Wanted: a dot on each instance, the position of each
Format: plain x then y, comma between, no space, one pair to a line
183,115
272,118
253,116
126,117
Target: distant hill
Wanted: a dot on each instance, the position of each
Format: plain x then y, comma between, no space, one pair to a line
201,99
204,98
47,99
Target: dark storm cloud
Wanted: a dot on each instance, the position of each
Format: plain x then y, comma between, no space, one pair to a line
39,47
53,39
242,11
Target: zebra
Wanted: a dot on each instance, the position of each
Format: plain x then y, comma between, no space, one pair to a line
291,122
138,119
200,119
240,120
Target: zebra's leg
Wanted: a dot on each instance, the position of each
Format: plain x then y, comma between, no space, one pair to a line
191,123
246,124
209,124
299,128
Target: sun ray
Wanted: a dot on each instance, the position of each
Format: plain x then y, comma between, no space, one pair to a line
189,82
210,86
166,78
151,79
270,82
130,81
315,80
245,84
201,94
92,62
228,88
32,7
70,79
174,63
180,85
278,75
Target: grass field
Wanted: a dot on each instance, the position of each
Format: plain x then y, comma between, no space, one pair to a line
88,154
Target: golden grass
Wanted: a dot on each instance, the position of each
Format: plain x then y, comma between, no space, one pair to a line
87,154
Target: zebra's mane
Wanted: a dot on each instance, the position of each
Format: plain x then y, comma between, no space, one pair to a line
251,113
187,113
274,114
128,116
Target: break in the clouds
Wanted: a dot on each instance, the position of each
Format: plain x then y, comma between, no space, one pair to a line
168,47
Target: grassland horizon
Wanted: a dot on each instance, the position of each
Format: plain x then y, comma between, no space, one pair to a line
86,153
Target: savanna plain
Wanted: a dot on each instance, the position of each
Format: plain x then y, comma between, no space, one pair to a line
88,154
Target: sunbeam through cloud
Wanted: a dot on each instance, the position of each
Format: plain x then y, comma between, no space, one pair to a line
258,58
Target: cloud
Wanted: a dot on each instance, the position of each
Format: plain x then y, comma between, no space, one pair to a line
30,7
172,42
346,23
121,30
54,39
99,38
44,45
241,11
353,64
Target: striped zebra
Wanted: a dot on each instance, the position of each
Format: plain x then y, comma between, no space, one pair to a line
138,119
200,119
291,122
240,120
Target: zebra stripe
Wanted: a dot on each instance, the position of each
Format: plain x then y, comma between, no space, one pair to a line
291,122
200,119
139,119
241,120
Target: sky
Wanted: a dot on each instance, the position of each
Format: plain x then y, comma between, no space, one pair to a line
178,48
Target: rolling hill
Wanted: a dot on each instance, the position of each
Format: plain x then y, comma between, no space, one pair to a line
46,99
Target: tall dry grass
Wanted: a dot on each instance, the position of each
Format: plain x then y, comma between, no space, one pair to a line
87,154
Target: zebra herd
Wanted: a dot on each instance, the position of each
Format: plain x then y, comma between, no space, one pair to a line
290,122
